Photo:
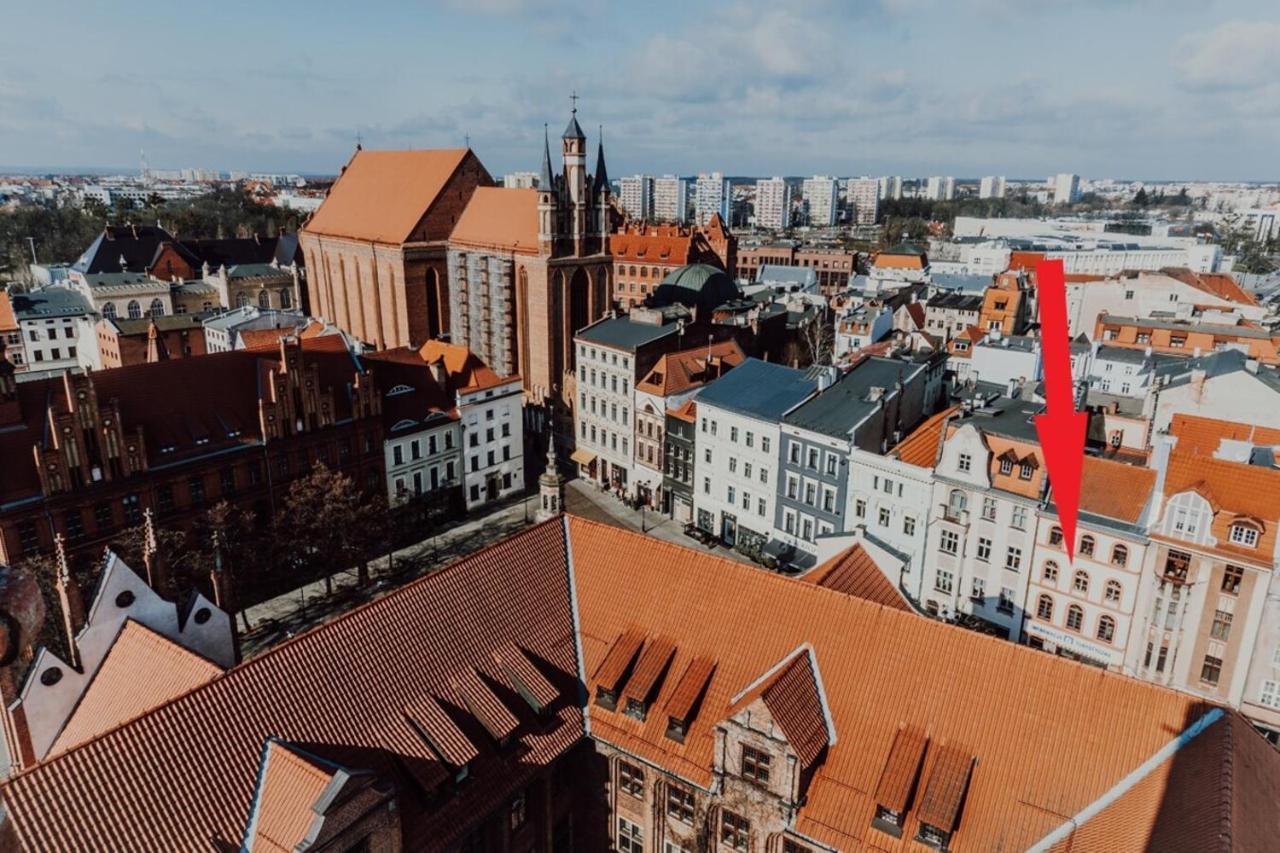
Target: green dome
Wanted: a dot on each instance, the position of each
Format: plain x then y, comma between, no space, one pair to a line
696,285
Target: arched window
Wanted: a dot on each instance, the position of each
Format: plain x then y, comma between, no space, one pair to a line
1050,572
958,501
1075,617
286,298
1055,536
1113,591
657,273
134,310
1120,555
109,310
242,299
633,270
264,299
1106,629
157,308
1081,583
1086,546
644,272
1044,608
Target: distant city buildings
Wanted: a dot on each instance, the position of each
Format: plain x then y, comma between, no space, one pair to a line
671,199
863,198
992,186
773,203
821,200
939,188
890,188
711,196
1066,188
520,180
636,194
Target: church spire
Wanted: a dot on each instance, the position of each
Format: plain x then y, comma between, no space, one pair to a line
546,180
601,183
70,601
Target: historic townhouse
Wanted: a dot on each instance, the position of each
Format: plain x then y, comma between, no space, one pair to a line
1084,610
644,254
674,379
739,455
680,467
988,482
696,730
870,408
1213,556
86,455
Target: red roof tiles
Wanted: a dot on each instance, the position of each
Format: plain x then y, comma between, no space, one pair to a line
921,447
499,219
901,769
854,572
1203,436
676,372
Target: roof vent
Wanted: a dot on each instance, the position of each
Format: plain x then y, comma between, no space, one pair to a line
648,673
616,667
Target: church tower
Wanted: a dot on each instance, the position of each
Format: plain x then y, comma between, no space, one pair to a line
600,197
551,485
548,207
574,146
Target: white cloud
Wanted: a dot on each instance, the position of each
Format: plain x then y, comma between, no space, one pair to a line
1235,55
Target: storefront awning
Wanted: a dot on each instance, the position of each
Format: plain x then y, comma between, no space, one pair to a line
582,456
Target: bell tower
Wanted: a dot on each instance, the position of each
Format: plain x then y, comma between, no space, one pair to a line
573,144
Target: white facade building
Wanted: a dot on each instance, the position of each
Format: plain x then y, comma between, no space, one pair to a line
711,196
890,500
636,196
606,383
992,186
492,418
940,188
56,324
821,199
670,199
1066,188
863,195
890,187
520,180
422,456
773,203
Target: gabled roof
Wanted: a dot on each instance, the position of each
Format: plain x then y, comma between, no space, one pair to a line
1221,285
1115,490
136,244
792,692
383,195
854,572
1203,436
920,448
679,371
499,219
143,670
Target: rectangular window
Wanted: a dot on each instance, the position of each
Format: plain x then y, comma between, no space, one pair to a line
978,589
1005,605
807,530
831,464
680,804
789,521
733,434
909,526
1221,627
860,508
397,455
950,542
1270,694
195,489
1013,559
793,453
1211,670
965,462
984,549
733,465
631,779
1019,520
102,518
735,831
942,581
989,509
755,765
630,837
764,443
164,498
1231,578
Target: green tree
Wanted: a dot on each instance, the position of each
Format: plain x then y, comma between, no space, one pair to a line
326,524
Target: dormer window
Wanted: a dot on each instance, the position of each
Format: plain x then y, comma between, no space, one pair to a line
1025,471
932,836
755,765
1006,466
606,698
1244,534
635,708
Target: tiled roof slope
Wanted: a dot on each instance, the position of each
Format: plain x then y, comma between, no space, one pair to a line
501,219
854,572
921,447
142,671
290,784
8,321
679,371
1216,284
1031,719
1202,436
1114,489
1233,489
382,195
191,765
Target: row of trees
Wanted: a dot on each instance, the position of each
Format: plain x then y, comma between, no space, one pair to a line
62,233
325,525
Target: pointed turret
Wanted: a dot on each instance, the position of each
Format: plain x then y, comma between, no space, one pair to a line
547,178
156,350
601,182
574,130
550,485
152,559
70,600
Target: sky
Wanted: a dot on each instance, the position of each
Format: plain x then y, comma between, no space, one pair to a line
1143,89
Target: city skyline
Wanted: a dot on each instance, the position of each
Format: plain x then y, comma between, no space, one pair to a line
754,91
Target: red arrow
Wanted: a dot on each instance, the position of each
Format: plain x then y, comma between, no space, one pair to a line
1061,428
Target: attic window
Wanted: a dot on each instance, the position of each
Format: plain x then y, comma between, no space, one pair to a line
1243,533
399,389
683,703
939,810
616,667
896,788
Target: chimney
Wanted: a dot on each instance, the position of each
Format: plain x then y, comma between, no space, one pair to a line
70,600
1014,385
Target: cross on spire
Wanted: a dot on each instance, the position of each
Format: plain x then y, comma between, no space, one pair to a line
573,97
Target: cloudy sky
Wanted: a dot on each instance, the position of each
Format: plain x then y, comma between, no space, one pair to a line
1126,88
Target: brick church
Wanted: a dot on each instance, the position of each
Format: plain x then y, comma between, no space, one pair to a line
411,245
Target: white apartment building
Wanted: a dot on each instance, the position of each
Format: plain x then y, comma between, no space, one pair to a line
982,519
890,497
773,203
606,381
1066,188
1145,294
940,188
992,186
711,196
520,180
636,195
821,199
890,187
738,447
422,456
863,196
670,199
55,324
492,419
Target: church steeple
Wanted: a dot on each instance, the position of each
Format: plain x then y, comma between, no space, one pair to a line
601,182
573,144
547,179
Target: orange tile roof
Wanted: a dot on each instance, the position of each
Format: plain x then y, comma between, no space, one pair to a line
143,670
679,371
1234,490
1216,284
1202,436
921,447
885,260
381,196
284,806
183,775
688,412
8,320
466,371
1001,701
854,572
901,769
1025,260
499,219
646,243
1115,490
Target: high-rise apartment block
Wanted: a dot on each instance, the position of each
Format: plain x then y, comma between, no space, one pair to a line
992,186
670,199
863,196
711,196
636,195
821,195
773,203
